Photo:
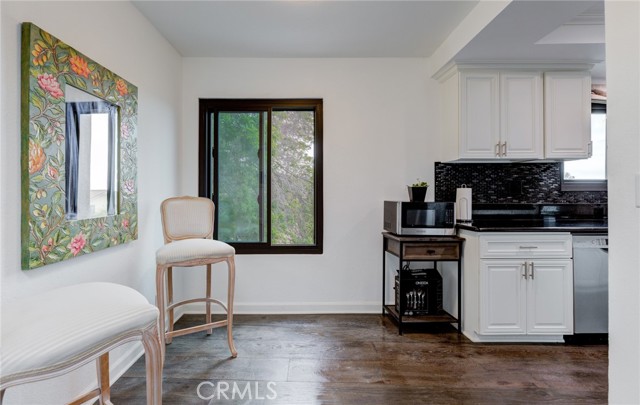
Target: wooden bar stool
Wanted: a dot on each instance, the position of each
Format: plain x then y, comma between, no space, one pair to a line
187,225
61,330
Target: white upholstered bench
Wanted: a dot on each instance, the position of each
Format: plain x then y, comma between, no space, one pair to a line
63,329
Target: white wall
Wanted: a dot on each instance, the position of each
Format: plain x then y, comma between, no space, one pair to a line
379,135
623,157
117,36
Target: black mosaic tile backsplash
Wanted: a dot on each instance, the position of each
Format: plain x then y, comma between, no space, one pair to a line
509,183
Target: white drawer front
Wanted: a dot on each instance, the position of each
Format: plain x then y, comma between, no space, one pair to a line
516,244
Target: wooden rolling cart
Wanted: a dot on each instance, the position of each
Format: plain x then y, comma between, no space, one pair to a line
421,249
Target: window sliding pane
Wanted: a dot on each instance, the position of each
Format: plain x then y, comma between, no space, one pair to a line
240,188
292,178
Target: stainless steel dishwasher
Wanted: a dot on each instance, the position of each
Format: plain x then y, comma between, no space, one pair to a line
591,284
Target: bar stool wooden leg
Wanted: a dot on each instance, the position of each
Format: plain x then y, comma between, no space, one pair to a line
208,295
170,301
160,288
230,292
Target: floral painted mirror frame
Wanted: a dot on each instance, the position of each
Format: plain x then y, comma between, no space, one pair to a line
47,66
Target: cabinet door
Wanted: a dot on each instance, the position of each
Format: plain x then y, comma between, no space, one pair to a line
479,111
521,115
502,297
567,115
550,297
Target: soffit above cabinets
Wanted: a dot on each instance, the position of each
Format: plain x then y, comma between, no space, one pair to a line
551,32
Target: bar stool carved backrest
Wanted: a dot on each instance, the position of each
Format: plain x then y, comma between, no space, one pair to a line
187,225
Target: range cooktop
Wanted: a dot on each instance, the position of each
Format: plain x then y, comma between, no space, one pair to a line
587,218
534,224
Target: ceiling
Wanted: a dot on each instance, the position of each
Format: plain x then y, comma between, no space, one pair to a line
527,30
316,29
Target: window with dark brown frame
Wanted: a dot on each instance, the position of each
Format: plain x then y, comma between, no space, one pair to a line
260,161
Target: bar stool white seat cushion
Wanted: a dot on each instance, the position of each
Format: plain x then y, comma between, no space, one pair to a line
193,249
62,325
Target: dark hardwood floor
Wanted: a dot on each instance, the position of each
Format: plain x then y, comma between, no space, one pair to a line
361,359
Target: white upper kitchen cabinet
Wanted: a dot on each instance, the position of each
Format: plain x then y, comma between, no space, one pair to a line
479,115
567,115
521,115
496,115
515,113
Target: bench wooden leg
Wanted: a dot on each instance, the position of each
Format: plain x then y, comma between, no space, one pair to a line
102,365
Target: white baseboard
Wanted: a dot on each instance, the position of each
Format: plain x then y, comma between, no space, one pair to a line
268,308
478,338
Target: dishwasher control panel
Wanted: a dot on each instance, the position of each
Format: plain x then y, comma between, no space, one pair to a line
590,242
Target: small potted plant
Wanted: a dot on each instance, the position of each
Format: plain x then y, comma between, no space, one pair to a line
418,191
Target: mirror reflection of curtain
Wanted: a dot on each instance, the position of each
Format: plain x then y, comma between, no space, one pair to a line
77,133
113,161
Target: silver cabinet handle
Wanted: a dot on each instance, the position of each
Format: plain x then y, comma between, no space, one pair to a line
504,149
497,148
590,149
531,275
527,247
524,270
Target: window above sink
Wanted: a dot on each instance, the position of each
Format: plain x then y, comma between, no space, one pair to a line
590,174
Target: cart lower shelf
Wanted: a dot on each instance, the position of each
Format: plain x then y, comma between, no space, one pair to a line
443,317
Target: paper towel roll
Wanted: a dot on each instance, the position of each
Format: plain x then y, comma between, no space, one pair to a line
463,204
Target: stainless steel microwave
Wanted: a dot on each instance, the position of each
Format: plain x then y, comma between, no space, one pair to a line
419,218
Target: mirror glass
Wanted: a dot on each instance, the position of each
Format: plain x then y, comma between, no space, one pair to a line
91,156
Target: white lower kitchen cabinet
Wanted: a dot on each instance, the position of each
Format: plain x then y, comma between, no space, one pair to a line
526,298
